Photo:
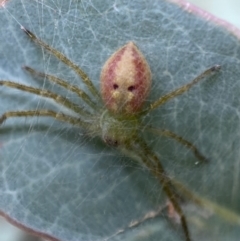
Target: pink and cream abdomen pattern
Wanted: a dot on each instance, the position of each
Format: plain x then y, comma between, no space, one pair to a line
125,80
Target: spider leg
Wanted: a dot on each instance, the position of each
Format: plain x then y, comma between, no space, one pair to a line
84,96
66,61
47,113
162,100
45,93
152,162
184,142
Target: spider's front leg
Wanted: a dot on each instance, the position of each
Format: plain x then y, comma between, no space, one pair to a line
45,113
140,149
181,140
46,93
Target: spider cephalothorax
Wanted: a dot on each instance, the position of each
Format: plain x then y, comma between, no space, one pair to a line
116,131
125,84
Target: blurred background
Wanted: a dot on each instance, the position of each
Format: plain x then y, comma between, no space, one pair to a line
228,10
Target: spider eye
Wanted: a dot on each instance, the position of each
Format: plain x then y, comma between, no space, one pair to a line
131,88
111,142
115,86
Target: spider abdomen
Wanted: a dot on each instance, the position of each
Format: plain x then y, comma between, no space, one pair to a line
125,80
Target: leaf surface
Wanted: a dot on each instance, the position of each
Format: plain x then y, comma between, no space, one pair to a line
58,182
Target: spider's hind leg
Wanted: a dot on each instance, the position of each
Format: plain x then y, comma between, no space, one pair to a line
66,61
84,96
179,91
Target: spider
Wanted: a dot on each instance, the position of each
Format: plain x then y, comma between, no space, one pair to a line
125,84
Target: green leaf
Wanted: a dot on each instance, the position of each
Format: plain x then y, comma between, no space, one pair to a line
58,182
